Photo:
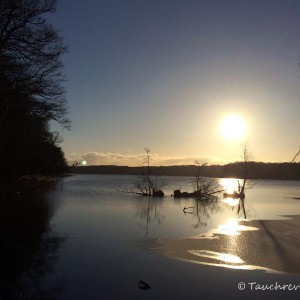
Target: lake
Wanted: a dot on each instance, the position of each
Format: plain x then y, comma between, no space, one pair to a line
88,238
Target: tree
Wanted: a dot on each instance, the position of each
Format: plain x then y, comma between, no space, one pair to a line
148,185
247,156
240,193
31,90
148,180
204,188
30,57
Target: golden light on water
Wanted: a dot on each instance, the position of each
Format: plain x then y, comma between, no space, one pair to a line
232,228
231,202
225,260
224,257
233,127
229,185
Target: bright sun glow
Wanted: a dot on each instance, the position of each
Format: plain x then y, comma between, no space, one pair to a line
232,127
230,185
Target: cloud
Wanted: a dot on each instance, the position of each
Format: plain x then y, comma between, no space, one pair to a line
108,158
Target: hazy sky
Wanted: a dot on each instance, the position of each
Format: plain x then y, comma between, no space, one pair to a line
162,74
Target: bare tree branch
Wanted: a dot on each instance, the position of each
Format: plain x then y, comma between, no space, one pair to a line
294,158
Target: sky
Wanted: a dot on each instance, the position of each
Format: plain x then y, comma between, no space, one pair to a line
163,74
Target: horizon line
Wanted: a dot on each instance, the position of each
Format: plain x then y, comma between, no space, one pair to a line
187,165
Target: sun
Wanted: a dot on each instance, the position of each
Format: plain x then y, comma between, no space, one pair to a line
233,127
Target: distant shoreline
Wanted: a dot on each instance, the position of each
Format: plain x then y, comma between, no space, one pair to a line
256,170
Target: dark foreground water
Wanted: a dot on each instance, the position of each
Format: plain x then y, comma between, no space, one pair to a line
88,239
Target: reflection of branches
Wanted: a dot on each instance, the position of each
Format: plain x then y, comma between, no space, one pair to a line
202,211
238,194
150,210
242,205
37,265
29,247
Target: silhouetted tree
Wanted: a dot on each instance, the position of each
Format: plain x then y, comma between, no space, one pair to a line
148,184
31,90
30,56
204,187
247,156
244,173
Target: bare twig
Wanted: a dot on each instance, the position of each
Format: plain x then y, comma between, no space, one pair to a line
295,156
186,208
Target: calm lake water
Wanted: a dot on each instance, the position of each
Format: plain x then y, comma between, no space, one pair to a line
88,239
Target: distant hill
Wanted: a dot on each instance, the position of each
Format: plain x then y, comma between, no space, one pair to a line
256,170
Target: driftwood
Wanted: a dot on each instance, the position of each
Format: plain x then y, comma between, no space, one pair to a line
186,209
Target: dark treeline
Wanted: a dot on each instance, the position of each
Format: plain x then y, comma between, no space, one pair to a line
31,94
256,170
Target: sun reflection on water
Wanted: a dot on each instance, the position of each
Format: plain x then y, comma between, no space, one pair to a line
237,262
231,202
229,259
230,185
233,228
225,257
